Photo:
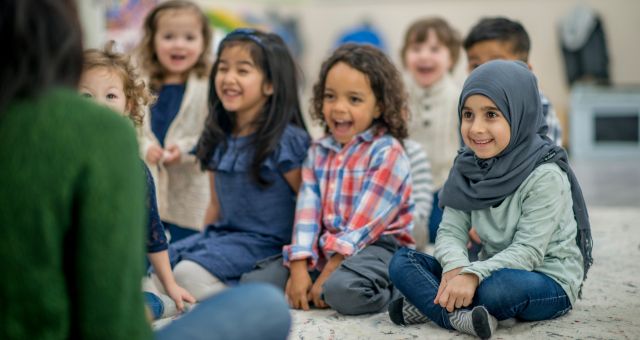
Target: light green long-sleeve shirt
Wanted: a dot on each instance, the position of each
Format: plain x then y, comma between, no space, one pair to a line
533,229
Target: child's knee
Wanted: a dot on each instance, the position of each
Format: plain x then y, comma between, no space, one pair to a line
350,294
196,279
339,297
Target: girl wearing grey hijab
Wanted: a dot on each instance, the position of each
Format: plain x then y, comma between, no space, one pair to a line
515,187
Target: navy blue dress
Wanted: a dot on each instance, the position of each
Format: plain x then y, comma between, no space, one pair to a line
255,223
165,109
156,238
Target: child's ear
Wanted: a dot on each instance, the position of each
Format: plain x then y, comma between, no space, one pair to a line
128,108
267,89
377,112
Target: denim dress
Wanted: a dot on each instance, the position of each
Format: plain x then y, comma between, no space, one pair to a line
156,238
255,222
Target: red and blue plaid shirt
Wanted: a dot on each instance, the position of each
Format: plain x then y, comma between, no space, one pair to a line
350,196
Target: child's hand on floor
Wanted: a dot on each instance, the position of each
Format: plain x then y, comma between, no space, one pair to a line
298,285
178,295
315,294
154,154
172,155
457,290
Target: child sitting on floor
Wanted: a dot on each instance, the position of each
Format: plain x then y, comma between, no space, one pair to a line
516,188
354,207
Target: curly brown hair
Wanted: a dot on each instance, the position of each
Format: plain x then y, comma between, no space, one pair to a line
136,92
384,78
147,58
418,33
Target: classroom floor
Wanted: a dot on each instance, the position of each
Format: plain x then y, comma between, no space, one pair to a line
610,308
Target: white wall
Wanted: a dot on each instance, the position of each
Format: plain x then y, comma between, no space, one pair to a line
94,22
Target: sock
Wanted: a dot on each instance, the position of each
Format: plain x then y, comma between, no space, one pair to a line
477,322
401,312
154,304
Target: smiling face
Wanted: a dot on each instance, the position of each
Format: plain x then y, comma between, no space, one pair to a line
427,61
240,83
106,87
484,129
178,42
349,105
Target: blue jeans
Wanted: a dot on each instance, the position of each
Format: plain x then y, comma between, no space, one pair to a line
507,293
251,311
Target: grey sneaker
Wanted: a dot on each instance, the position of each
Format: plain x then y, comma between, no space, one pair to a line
477,322
401,312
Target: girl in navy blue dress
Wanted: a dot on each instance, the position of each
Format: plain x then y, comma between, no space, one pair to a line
253,146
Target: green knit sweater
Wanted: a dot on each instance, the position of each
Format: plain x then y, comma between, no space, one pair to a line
71,222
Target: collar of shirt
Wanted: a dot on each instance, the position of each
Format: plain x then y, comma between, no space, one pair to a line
368,135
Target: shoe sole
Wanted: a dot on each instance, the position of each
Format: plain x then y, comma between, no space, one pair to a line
480,319
395,312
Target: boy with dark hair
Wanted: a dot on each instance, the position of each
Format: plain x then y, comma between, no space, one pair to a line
502,38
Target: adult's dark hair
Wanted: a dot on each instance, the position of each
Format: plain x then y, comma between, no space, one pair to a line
384,79
270,54
503,30
43,47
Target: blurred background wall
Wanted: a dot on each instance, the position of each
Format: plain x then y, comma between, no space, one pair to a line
320,22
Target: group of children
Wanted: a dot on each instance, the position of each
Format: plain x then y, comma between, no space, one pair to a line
330,221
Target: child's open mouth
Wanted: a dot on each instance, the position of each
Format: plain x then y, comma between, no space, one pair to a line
178,57
342,125
424,70
230,93
482,141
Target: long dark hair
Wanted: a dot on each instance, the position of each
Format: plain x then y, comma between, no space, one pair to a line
44,47
272,56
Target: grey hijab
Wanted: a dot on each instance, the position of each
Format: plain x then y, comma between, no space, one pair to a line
475,184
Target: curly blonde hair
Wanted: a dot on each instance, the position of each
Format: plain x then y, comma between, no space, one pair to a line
147,57
384,78
136,92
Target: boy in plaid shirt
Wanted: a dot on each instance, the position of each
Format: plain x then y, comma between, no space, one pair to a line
354,208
